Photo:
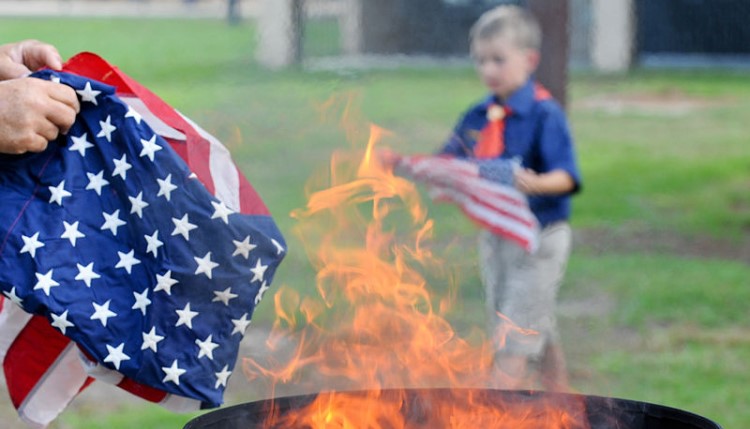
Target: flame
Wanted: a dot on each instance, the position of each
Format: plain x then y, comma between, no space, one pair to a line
374,325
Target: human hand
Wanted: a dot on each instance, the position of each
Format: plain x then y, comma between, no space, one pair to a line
527,181
34,112
21,58
555,182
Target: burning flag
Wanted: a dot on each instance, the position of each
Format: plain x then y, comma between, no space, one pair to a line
133,251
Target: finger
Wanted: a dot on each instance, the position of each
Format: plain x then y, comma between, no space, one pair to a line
36,55
29,142
38,143
48,130
64,94
61,116
12,70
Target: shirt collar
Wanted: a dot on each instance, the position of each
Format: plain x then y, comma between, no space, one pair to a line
520,102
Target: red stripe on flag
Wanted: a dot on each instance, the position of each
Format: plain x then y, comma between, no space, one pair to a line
142,391
34,350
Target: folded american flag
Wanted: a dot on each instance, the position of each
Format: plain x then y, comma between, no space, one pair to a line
481,189
131,251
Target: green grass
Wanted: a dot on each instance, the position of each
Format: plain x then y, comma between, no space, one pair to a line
672,329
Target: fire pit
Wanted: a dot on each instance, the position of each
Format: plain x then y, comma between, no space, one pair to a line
417,408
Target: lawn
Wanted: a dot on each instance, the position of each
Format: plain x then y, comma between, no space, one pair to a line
654,304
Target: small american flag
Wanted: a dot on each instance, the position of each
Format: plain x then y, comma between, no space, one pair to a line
481,190
131,251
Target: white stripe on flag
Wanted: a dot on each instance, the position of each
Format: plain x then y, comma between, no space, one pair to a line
101,372
153,121
223,171
490,217
180,404
60,385
12,321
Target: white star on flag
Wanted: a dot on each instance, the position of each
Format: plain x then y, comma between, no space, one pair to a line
221,211
183,227
165,282
80,144
13,297
153,243
166,187
88,93
258,271
262,291
30,244
279,247
58,193
150,147
137,205
132,113
107,129
205,265
102,312
45,282
173,373
71,232
243,247
186,316
61,322
127,260
150,340
222,377
240,325
112,221
86,273
116,355
96,182
141,301
224,296
207,347
121,167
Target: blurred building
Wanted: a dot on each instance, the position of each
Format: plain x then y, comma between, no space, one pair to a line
605,35
693,33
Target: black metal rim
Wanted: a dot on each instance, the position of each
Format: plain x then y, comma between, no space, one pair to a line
602,412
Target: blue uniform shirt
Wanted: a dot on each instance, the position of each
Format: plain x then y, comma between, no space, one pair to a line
536,135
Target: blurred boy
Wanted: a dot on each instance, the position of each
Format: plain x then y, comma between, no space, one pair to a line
520,121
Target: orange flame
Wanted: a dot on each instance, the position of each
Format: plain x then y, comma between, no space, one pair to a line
374,324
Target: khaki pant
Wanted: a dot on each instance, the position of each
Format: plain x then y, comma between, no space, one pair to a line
523,287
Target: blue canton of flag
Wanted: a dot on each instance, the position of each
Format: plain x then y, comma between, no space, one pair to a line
110,236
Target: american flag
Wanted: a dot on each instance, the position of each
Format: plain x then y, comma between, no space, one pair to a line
481,189
131,251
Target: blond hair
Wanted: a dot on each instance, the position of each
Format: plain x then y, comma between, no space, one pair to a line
510,21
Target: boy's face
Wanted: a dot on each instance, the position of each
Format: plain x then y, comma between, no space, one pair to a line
502,65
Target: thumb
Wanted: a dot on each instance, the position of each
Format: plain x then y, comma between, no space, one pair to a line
12,70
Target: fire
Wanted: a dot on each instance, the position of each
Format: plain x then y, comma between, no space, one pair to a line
374,326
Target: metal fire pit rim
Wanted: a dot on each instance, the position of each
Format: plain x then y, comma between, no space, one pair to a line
214,418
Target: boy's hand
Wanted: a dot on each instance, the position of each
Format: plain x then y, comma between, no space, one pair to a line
21,58
527,181
34,112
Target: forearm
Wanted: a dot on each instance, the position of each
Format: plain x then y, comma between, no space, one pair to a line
555,182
